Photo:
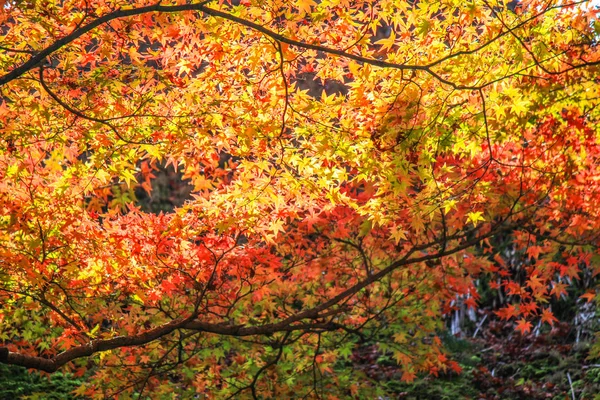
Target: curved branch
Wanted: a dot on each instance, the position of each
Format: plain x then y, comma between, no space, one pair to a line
81,114
95,346
86,350
40,56
292,323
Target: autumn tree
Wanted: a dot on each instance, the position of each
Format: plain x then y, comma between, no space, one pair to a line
358,210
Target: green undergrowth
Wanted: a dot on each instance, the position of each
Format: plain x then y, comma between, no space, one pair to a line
18,383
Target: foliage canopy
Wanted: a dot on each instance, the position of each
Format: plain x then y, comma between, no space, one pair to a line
351,164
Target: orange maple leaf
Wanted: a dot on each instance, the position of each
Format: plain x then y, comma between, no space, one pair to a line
408,376
508,312
524,326
589,296
548,316
454,366
534,251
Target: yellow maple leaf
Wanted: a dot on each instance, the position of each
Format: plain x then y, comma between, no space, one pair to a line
388,42
475,217
398,234
305,6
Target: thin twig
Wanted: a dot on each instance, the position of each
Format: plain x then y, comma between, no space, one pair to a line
479,326
571,384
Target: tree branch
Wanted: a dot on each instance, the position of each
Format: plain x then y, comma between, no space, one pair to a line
286,325
40,56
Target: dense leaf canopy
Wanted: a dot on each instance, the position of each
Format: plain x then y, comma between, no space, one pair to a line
351,164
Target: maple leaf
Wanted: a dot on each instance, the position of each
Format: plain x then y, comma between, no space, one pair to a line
67,342
534,251
513,288
388,42
475,217
398,234
144,359
524,326
313,219
167,287
508,312
569,270
536,284
471,303
548,317
454,366
589,296
558,289
408,376
305,6
528,308
399,337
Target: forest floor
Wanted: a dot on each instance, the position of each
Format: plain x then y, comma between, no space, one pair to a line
500,364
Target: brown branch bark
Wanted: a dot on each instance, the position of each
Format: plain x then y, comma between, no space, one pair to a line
86,350
80,114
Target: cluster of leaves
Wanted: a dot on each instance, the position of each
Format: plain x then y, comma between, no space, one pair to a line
311,221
